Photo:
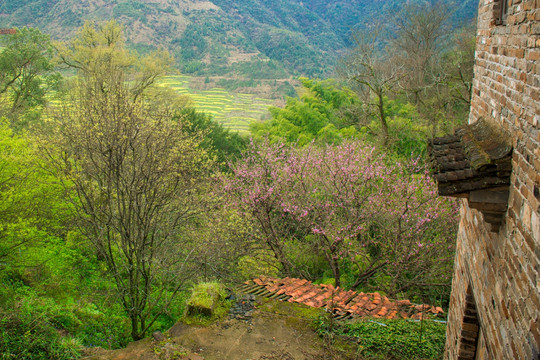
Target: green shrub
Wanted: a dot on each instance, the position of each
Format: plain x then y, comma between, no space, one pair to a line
32,322
392,339
207,295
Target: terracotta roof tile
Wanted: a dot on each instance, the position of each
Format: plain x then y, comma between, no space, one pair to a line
308,295
325,295
370,306
343,302
403,302
403,315
382,312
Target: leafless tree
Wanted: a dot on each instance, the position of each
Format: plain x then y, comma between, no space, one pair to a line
460,63
368,65
421,35
422,38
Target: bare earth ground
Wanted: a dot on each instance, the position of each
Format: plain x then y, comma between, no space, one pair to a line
269,334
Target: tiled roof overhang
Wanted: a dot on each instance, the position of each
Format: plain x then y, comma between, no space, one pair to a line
475,158
476,163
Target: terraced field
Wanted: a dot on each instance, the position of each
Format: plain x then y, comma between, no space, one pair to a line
234,111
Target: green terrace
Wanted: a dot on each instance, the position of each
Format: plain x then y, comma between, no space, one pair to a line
235,111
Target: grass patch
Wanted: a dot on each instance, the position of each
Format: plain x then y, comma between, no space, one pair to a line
298,316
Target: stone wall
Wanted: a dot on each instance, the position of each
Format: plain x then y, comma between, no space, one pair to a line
501,269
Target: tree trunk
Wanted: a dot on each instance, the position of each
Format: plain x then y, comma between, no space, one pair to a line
135,334
334,264
337,273
382,118
280,255
366,275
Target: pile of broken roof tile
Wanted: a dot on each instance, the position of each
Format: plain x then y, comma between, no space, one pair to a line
343,303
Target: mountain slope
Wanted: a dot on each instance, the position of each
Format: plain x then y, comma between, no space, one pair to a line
257,38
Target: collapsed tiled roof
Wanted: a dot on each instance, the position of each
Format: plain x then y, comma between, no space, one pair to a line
476,157
344,304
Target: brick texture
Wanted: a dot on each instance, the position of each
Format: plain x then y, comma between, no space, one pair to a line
501,269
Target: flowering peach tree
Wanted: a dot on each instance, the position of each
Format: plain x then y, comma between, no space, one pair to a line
364,214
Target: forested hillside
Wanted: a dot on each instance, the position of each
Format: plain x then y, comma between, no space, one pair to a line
258,38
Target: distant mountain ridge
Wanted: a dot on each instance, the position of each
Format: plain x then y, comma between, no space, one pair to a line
261,38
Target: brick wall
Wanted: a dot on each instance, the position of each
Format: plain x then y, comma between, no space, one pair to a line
502,268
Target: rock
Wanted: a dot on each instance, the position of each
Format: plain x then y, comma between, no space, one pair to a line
205,297
158,336
243,308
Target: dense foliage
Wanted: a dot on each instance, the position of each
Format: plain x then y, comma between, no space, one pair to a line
118,196
223,143
39,246
26,73
319,114
328,113
105,140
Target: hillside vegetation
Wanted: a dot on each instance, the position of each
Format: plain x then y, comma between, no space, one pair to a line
268,39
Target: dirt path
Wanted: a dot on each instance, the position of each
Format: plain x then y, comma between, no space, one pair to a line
275,331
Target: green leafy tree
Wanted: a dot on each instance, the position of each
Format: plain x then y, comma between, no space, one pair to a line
407,130
26,73
99,54
33,209
319,114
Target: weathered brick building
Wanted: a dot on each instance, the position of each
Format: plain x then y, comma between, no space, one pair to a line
494,165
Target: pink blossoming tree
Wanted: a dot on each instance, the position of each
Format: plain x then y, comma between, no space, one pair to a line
361,212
